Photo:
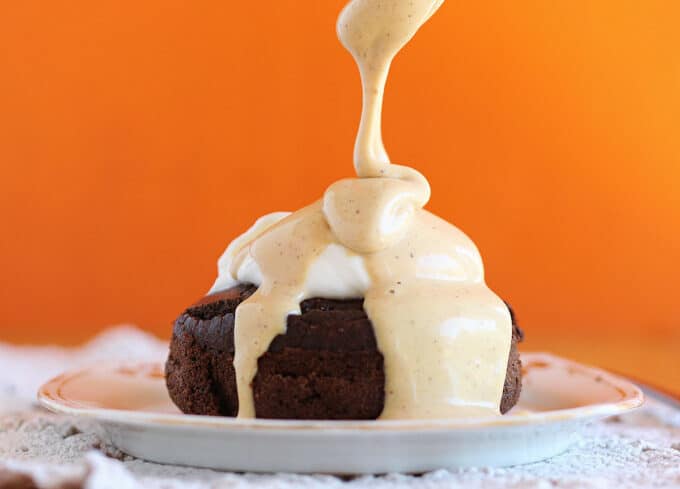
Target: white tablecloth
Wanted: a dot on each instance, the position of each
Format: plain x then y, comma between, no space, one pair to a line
40,450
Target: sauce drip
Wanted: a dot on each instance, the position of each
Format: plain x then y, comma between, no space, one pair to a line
445,337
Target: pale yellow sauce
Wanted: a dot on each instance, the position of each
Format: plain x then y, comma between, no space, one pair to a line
444,335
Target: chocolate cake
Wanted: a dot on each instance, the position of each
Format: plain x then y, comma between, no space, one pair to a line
326,365
429,339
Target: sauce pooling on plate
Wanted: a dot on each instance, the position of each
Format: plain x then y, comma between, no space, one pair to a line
444,335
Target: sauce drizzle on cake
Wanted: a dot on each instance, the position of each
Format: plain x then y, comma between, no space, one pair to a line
445,336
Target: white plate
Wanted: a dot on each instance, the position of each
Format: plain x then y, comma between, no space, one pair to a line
558,398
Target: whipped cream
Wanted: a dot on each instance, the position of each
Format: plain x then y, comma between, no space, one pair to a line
336,273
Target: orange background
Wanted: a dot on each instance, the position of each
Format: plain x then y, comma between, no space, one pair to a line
138,138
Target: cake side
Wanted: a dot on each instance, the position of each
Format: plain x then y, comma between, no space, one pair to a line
199,373
326,365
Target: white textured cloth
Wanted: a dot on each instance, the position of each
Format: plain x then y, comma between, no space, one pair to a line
40,450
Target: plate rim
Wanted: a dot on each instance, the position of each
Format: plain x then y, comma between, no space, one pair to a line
632,398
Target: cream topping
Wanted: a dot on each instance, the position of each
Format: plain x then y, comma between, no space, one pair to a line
445,337
248,271
350,278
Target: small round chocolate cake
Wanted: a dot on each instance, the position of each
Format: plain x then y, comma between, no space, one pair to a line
400,324
326,366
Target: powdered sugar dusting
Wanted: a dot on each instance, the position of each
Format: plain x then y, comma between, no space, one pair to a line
640,449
